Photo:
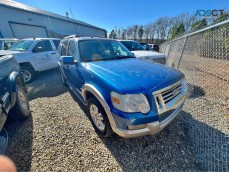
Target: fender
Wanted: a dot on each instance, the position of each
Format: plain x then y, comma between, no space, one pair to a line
13,79
93,90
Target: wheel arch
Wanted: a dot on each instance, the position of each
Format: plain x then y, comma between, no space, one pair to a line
89,91
14,79
27,64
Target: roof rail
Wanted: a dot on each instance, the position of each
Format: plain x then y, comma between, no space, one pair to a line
71,36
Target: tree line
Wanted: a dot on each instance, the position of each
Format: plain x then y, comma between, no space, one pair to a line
164,28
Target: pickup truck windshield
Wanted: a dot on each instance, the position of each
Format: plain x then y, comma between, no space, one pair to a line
132,45
99,50
21,45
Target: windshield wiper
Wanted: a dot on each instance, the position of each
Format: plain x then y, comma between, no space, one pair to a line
124,57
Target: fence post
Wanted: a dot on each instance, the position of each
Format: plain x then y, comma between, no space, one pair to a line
182,52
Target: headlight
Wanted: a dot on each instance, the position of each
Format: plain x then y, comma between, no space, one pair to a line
130,102
184,86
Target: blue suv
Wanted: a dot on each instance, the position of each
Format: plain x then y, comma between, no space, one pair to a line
14,103
123,94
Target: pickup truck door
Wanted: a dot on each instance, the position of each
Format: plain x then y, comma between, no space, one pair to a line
55,57
44,55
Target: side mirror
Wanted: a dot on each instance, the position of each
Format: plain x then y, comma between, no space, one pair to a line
68,60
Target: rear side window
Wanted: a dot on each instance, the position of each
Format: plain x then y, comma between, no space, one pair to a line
72,49
64,48
56,43
42,46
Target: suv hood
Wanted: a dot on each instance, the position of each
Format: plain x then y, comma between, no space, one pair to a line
7,52
144,53
134,75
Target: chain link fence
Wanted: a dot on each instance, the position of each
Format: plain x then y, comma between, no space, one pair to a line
203,57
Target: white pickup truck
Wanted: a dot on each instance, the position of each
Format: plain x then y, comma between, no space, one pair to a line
139,51
34,55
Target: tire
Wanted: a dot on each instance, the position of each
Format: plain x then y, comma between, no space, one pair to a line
103,131
21,108
28,74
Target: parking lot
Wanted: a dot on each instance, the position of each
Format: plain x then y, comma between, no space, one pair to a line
59,137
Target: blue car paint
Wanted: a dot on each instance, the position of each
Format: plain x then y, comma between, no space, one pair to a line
126,76
10,74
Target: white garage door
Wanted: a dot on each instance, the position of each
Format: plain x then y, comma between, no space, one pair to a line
28,31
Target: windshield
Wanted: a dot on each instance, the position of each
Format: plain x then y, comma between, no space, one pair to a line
132,45
22,45
8,44
98,50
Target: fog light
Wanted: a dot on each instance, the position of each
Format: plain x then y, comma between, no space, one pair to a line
137,127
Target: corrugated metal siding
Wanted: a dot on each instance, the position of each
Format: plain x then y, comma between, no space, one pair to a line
57,25
28,31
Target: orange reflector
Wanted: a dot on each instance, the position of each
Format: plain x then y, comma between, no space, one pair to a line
115,100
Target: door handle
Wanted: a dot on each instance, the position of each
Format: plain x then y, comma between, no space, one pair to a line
53,53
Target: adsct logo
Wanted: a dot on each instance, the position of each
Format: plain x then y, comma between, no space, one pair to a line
209,13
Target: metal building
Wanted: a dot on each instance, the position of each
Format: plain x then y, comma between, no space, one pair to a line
23,21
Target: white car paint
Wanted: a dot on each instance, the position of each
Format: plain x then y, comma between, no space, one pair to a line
150,54
39,60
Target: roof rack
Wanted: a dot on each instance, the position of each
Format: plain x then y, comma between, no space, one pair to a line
71,36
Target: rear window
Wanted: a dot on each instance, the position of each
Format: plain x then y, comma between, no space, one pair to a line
64,48
132,45
56,43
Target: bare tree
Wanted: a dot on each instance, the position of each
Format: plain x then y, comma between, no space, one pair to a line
129,33
124,33
147,32
141,32
135,31
186,19
163,25
119,34
160,29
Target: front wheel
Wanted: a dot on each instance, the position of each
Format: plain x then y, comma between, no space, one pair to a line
28,74
21,108
99,118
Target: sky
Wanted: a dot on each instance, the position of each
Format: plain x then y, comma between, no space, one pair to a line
108,14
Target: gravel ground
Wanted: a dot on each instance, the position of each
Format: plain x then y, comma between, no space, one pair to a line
59,137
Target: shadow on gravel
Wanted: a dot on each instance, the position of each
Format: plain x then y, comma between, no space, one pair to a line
20,142
170,150
196,91
81,105
177,148
46,84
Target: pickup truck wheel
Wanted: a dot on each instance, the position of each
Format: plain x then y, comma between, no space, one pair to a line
99,118
21,108
28,74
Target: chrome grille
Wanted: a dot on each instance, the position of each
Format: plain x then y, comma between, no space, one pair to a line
169,97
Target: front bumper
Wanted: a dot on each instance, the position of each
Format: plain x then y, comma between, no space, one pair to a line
151,128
